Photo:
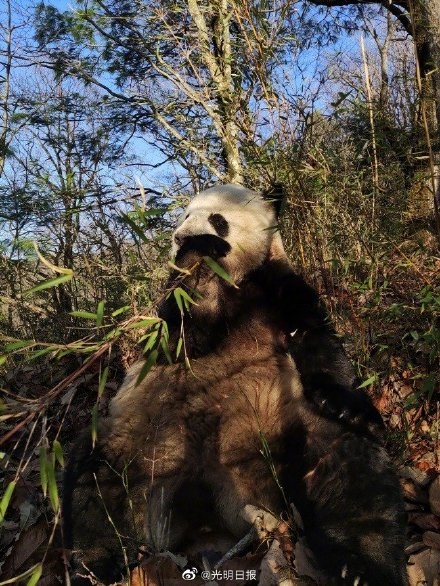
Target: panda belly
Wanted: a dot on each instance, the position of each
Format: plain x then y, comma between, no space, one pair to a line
236,430
206,435
228,413
200,442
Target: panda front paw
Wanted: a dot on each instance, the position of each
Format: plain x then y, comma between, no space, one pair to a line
352,576
352,408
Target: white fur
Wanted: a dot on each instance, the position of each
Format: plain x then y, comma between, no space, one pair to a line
252,225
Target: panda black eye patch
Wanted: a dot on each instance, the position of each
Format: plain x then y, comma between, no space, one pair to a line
220,224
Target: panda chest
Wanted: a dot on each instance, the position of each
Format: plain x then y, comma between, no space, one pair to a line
227,409
216,409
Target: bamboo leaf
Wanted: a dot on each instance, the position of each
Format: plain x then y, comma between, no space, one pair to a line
179,295
52,486
84,314
94,424
35,576
143,323
149,363
220,271
100,313
86,349
4,503
49,284
187,298
43,469
50,265
138,231
112,334
178,298
42,352
152,339
120,310
102,381
58,452
18,579
17,345
372,379
179,346
165,349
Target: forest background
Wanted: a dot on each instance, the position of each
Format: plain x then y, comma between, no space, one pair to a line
113,112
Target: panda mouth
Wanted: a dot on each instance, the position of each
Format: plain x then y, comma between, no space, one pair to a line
203,245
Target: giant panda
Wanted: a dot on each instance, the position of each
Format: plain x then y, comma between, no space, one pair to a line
251,360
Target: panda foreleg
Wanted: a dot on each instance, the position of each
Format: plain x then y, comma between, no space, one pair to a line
351,407
327,375
355,520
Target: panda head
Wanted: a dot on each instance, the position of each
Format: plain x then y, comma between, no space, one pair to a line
233,225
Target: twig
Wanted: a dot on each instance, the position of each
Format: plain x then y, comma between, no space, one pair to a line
239,547
17,427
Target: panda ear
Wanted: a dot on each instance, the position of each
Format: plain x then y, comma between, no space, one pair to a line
275,195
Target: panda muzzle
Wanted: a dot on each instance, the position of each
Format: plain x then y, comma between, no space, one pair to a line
203,245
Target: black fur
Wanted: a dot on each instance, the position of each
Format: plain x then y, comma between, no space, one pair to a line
327,376
220,224
203,245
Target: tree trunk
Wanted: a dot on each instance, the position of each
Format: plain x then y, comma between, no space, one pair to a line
426,32
432,11
215,49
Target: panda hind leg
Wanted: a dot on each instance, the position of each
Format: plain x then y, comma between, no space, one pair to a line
97,524
355,525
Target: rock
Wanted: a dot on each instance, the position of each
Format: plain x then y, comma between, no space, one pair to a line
263,521
395,421
425,521
274,568
434,496
412,492
416,575
432,539
417,476
414,547
424,568
306,565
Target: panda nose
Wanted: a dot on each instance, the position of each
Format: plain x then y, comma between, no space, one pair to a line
179,239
